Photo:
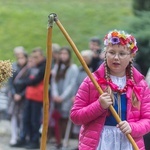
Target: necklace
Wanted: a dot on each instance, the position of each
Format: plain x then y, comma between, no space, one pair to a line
118,90
120,82
113,86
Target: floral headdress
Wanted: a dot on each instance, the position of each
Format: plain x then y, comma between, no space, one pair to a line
120,37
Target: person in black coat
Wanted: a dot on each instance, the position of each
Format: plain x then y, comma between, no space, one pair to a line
33,106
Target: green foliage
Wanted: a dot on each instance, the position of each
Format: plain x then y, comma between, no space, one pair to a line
141,5
25,22
140,26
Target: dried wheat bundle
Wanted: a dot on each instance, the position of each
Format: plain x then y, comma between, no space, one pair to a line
5,70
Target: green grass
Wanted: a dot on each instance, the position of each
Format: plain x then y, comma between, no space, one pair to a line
25,22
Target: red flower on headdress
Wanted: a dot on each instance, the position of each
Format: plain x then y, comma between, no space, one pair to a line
135,48
132,38
123,41
127,40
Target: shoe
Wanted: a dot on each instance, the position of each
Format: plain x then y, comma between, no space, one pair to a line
32,145
20,143
57,146
12,142
12,145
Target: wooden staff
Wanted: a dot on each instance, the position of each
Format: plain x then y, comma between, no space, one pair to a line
46,101
111,108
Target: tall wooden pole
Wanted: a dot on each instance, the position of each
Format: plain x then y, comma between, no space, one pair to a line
46,100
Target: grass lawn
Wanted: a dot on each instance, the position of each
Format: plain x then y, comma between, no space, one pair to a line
25,22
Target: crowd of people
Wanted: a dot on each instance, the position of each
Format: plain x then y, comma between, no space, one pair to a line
25,92
26,97
70,90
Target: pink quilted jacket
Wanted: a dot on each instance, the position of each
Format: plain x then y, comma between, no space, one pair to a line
87,111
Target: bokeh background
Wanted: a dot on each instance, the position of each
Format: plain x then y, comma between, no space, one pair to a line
24,22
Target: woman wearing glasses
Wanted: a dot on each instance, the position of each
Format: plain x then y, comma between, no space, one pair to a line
125,88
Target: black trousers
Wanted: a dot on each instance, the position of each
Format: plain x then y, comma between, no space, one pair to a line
32,120
147,141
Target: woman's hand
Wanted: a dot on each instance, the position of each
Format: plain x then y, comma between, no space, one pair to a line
73,99
57,99
17,97
105,100
124,127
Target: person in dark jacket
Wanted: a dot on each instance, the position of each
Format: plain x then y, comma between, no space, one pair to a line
17,97
95,47
34,102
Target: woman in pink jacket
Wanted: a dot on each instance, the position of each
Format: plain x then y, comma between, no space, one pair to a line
124,88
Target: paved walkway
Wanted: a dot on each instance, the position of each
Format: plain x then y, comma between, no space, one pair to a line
5,137
4,145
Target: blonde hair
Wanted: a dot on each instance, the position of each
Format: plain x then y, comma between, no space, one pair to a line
135,101
55,47
87,53
19,49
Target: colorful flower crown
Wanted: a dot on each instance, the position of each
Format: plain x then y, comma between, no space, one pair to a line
120,37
